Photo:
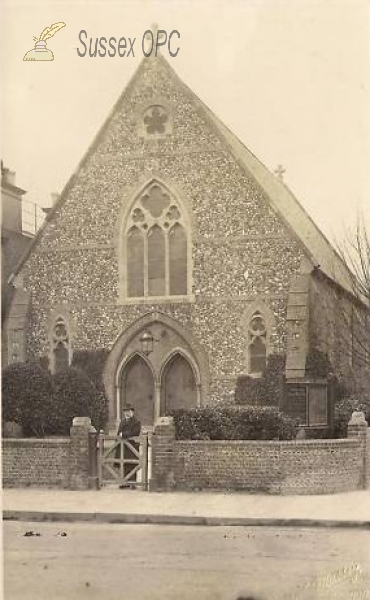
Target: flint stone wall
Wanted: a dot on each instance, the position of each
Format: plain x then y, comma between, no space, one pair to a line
276,467
241,250
34,462
300,467
49,462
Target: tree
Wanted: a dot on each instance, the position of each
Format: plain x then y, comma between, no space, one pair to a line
355,253
340,310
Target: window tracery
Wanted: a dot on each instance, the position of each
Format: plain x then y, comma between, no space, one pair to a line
156,120
61,347
156,246
257,343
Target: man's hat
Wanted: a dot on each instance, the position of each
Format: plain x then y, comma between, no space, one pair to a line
128,407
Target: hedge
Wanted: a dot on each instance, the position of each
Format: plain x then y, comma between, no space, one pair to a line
234,423
27,397
76,396
268,390
45,404
91,362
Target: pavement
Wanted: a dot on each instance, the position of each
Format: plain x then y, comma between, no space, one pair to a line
112,505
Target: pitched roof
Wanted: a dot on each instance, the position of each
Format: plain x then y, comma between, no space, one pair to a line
318,248
320,251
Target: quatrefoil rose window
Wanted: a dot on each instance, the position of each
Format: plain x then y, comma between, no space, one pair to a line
156,121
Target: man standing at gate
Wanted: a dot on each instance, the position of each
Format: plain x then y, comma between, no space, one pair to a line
129,427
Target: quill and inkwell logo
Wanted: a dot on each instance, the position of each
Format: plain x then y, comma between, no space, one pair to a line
40,51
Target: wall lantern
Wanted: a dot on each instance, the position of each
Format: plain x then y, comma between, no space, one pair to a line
146,342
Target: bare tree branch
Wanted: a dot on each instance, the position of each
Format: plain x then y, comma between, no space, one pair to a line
354,316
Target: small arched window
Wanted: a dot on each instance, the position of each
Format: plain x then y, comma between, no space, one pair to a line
257,344
61,350
156,246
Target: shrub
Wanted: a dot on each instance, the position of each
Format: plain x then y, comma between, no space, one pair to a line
74,395
275,379
344,410
234,423
268,390
91,362
45,405
250,391
318,365
27,397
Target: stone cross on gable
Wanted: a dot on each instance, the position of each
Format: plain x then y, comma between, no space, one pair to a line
279,172
151,40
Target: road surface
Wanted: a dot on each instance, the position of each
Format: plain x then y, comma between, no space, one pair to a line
165,562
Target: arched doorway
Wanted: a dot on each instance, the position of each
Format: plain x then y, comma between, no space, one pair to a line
137,389
178,385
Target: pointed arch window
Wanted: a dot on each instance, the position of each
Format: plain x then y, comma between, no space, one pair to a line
257,344
61,350
156,246
135,262
178,260
156,262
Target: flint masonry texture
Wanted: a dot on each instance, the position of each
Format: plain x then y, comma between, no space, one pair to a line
234,229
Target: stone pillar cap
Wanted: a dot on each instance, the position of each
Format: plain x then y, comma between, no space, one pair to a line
357,418
164,421
81,421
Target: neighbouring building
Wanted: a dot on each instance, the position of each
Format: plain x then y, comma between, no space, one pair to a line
20,220
173,247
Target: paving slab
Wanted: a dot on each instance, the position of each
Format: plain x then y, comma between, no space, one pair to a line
211,508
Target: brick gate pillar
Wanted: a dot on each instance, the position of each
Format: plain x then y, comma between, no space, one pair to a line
162,455
358,428
79,457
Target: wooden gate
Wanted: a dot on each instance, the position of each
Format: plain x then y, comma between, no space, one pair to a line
124,462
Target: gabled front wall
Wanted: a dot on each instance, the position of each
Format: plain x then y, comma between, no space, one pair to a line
241,253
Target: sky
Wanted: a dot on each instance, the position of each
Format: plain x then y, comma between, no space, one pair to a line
291,79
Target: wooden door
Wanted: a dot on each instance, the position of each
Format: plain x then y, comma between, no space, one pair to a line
137,389
178,385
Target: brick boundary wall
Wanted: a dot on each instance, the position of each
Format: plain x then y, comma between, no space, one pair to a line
301,467
36,462
288,467
51,462
294,467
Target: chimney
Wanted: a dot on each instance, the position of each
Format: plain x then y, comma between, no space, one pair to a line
8,176
54,198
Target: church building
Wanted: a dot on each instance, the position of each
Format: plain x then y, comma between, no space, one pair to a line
175,249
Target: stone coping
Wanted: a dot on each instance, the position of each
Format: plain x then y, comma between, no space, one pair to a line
35,441
327,442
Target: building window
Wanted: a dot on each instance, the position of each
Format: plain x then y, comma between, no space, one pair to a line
135,263
178,260
156,120
61,351
257,344
156,246
15,345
